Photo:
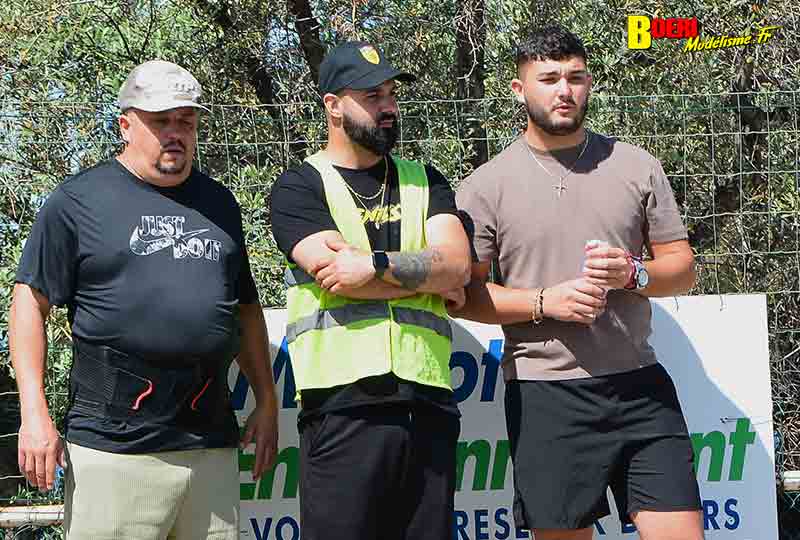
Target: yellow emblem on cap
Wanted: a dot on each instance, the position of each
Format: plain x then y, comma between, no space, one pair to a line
370,54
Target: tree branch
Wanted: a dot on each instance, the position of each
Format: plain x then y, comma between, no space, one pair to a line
149,33
119,32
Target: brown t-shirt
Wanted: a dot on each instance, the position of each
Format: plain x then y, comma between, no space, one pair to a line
617,193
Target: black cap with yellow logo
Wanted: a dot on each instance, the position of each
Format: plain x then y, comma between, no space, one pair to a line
356,65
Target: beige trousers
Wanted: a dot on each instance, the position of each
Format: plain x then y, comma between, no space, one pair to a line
184,495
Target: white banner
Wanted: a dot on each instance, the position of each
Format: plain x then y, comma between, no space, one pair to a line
715,348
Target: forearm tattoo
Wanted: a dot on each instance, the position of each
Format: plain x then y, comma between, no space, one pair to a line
413,269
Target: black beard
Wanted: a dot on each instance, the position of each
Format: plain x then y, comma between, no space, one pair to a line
541,118
377,140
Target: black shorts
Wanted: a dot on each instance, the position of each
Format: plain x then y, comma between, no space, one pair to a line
383,471
571,440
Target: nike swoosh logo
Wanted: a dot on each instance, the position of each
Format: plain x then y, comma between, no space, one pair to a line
147,247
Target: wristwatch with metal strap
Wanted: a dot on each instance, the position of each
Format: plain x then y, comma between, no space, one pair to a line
639,276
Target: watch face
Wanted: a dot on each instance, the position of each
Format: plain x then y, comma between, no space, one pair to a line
642,278
381,260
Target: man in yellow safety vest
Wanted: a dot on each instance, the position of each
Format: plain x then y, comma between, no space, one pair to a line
375,250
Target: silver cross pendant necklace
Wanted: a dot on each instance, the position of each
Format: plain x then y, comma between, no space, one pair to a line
560,187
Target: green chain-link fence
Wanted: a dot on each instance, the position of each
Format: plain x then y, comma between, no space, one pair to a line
732,160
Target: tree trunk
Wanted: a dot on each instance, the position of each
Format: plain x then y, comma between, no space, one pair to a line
470,27
308,31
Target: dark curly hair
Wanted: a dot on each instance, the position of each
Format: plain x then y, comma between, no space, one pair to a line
551,42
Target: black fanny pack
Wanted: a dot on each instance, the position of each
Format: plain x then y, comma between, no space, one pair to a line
111,384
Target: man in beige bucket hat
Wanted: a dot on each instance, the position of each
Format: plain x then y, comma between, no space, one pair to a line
148,255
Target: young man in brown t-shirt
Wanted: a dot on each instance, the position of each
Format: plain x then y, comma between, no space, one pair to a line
566,214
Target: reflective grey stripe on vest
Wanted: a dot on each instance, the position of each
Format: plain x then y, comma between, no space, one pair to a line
296,276
424,319
351,313
340,316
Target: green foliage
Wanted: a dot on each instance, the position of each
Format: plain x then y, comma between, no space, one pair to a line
732,158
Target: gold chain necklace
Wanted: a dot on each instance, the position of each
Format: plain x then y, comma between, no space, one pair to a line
361,197
358,197
560,188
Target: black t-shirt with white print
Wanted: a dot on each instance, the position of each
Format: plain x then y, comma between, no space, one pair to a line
299,209
153,272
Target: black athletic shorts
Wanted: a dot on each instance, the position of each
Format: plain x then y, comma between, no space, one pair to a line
572,439
383,472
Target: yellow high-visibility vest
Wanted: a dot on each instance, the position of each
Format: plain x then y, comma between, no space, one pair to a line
334,340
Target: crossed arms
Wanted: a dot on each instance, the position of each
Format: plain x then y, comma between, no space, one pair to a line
441,268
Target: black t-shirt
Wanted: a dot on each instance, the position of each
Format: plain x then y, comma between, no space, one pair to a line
152,272
299,209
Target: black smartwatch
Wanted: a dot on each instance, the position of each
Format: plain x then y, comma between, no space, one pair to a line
380,260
